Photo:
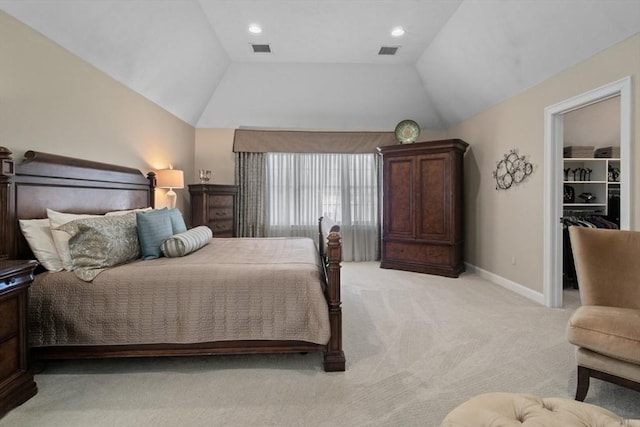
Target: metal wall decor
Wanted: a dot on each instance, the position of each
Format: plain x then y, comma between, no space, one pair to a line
513,169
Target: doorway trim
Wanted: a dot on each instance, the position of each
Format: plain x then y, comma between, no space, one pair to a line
553,177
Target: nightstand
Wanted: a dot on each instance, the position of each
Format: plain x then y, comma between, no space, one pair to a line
16,379
215,206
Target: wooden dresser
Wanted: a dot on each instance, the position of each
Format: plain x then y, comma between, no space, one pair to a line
16,378
422,219
215,206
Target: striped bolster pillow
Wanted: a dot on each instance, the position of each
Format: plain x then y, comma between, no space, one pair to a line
184,243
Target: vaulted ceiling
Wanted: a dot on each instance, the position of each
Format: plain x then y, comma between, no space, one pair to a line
457,57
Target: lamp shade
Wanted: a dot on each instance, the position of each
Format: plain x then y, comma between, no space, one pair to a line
170,178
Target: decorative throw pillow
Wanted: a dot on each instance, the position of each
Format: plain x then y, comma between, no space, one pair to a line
184,243
177,221
60,237
153,228
101,242
40,240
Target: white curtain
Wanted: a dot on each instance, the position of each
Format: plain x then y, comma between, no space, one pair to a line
301,187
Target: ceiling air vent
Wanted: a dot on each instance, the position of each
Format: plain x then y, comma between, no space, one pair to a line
388,50
261,48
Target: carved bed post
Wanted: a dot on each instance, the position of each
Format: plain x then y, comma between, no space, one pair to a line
151,176
7,214
334,359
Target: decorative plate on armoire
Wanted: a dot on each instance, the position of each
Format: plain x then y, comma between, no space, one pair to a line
407,131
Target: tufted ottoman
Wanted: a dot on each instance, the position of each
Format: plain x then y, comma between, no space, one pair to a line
511,409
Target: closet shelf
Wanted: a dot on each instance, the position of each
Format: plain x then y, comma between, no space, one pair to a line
586,205
587,182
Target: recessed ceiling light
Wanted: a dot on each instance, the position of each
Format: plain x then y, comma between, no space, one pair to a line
397,32
255,29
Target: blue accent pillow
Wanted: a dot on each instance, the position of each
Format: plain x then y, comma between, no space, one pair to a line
177,221
153,228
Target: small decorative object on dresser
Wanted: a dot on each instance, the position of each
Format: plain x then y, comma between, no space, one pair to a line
204,175
214,205
16,379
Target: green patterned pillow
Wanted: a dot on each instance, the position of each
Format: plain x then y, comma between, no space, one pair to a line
184,243
101,242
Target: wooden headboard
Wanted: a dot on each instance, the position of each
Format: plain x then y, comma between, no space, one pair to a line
64,184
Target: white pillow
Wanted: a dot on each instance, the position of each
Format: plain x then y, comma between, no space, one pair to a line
38,235
61,238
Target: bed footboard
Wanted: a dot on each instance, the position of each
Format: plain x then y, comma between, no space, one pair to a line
331,257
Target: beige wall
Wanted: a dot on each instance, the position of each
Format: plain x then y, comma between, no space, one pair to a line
52,101
506,226
214,151
596,125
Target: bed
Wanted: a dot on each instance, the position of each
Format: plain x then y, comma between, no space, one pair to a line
286,301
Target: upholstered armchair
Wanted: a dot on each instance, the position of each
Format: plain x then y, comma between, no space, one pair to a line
606,328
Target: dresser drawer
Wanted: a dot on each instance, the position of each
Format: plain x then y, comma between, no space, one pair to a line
217,214
10,357
221,227
220,201
9,317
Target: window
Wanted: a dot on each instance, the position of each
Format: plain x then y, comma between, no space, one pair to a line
301,187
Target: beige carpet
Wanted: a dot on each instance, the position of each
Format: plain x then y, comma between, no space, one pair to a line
416,346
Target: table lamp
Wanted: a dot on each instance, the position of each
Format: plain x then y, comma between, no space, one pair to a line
170,178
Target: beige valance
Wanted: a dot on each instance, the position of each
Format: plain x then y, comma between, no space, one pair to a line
277,141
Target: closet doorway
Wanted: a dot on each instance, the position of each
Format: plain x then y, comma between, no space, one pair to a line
554,177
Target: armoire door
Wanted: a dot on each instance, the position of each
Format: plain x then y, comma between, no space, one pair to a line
398,220
433,196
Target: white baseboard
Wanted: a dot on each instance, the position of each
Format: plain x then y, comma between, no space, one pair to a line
506,283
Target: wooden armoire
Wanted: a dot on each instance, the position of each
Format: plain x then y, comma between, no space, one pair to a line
422,212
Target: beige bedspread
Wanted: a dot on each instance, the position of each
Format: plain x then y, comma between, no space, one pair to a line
231,289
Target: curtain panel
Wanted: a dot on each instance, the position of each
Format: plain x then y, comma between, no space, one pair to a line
250,177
